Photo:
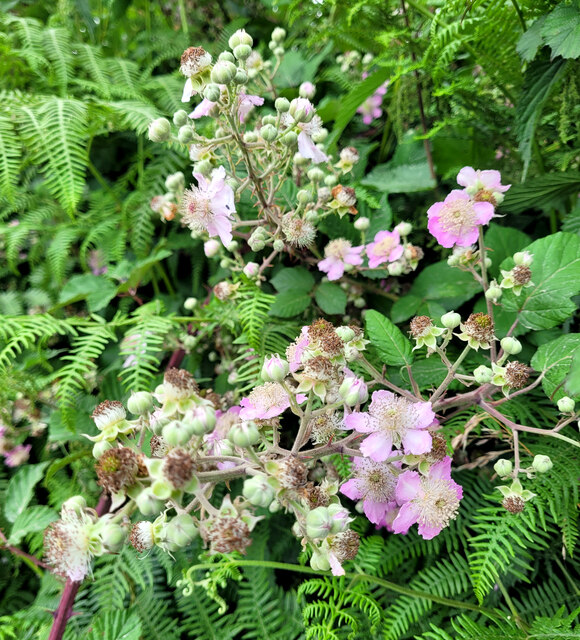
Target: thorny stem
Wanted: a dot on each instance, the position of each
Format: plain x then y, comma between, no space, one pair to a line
31,561
379,377
449,377
485,283
304,421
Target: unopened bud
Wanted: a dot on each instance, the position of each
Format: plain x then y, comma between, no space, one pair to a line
304,196
278,35
395,268
493,293
542,464
212,92
319,561
340,518
404,228
353,391
330,181
227,56
315,174
346,334
180,118
140,402
251,269
201,420
282,105
278,245
100,448
258,491
483,374
234,245
320,135
211,248
181,530
503,467
362,223
274,369
148,504
240,37
176,433
278,51
251,136
204,167
523,258
160,130
511,346
290,138
76,504
241,76
307,90
269,132
113,537
451,320
566,404
244,434
185,134
190,303
223,72
319,523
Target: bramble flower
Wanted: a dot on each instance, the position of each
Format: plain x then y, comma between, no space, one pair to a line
246,103
455,221
318,375
370,109
393,421
477,331
483,186
177,393
209,206
517,278
342,547
431,501
195,66
374,483
110,418
339,253
513,376
425,333
266,401
204,108
17,456
385,248
298,231
302,115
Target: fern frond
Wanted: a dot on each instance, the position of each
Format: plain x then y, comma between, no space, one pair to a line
10,154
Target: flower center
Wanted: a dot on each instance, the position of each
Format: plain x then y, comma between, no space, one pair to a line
375,481
385,246
458,217
438,504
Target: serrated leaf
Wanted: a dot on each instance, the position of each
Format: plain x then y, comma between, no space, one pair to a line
543,192
20,488
330,298
388,339
290,303
572,385
531,40
98,291
555,358
561,31
503,242
34,519
405,178
556,278
297,278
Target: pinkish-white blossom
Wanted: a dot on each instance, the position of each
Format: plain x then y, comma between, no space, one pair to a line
266,401
17,456
386,247
339,253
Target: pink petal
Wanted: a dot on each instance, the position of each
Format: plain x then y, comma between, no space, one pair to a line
350,490
308,149
222,227
377,446
408,515
376,512
187,91
467,177
426,415
427,532
360,422
491,179
408,486
202,109
417,442
335,565
396,253
441,470
484,212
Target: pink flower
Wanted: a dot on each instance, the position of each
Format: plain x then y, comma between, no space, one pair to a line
216,442
203,109
393,421
374,483
431,501
17,456
296,350
339,253
246,104
209,206
484,186
387,247
306,145
266,401
371,107
455,221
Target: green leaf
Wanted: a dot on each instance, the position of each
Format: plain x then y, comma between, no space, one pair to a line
556,278
572,385
556,358
20,488
438,284
388,339
290,303
98,291
503,242
540,80
297,278
401,179
543,192
34,519
330,298
561,31
531,40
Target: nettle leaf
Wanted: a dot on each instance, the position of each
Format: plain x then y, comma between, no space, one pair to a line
402,179
388,339
330,298
543,192
572,385
556,278
556,359
34,519
297,278
290,303
531,40
98,291
20,489
561,31
503,242
437,289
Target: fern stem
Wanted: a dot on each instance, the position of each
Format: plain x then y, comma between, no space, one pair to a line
183,16
391,586
519,621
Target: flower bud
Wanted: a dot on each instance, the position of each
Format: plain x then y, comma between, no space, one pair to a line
258,491
483,374
566,404
451,320
307,90
140,402
234,245
269,132
180,118
315,174
304,196
523,258
190,304
330,181
282,105
175,182
148,504
340,518
346,334
224,263
242,52
161,489
250,136
185,134
453,260
503,467
176,433
361,303
278,245
181,530
278,35
241,76
290,138
312,216
278,51
201,420
542,464
240,37
244,434
353,390
493,293
227,56
160,130
320,135
203,166
223,72
76,504
511,346
100,448
404,228
212,92
274,369
362,223
395,268
319,523
319,561
251,269
211,248
113,537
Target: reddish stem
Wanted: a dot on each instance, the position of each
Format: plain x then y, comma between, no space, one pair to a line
65,606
